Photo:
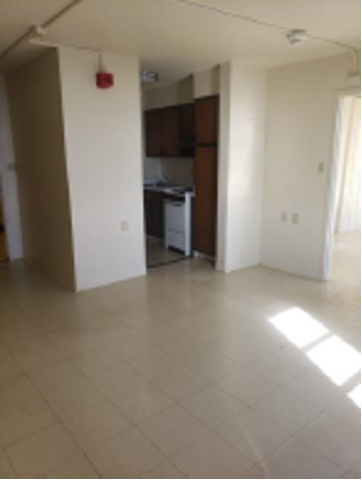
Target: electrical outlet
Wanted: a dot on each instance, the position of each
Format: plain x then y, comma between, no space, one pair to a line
125,226
295,218
284,217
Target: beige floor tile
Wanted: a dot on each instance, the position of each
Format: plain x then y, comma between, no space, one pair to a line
9,368
333,439
141,402
96,361
211,457
80,467
55,377
96,425
121,378
181,383
255,472
213,366
287,410
6,470
276,369
74,399
172,430
354,472
294,459
252,434
129,455
165,470
43,452
346,411
247,386
121,343
213,406
22,411
316,388
155,364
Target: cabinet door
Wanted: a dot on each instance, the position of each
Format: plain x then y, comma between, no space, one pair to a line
187,132
154,213
205,201
171,132
207,121
153,119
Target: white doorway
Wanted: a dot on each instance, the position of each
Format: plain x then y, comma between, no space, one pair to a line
343,238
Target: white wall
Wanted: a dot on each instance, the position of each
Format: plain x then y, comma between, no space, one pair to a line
104,161
302,101
9,180
36,115
241,165
206,83
169,95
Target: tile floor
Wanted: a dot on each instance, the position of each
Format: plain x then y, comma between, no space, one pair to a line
185,373
157,255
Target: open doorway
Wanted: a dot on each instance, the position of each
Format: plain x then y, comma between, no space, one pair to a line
344,248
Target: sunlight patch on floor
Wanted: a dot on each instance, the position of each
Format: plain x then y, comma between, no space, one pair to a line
338,360
356,395
299,327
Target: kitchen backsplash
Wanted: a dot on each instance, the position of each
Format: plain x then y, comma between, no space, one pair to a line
177,170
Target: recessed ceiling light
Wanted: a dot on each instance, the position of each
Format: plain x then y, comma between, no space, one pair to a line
148,76
296,37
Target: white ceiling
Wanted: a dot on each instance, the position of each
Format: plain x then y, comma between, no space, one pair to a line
177,40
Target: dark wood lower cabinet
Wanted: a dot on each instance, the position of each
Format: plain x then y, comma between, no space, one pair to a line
154,214
205,201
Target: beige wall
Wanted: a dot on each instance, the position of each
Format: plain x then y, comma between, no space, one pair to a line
302,109
104,161
36,115
167,96
207,83
241,165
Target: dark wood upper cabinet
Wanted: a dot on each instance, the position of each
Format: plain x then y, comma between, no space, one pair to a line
205,201
207,121
187,133
153,120
171,132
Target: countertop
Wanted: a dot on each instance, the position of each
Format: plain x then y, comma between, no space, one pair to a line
167,190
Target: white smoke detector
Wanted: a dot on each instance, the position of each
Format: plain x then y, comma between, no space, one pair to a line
295,37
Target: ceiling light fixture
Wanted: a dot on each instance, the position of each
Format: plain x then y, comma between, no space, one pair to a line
296,37
148,76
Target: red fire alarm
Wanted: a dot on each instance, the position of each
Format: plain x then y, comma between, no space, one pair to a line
105,80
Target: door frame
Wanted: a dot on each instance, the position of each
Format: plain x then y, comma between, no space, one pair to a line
332,183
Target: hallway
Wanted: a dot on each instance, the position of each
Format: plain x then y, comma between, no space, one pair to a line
184,373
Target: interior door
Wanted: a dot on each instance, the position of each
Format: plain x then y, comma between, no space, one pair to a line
205,201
